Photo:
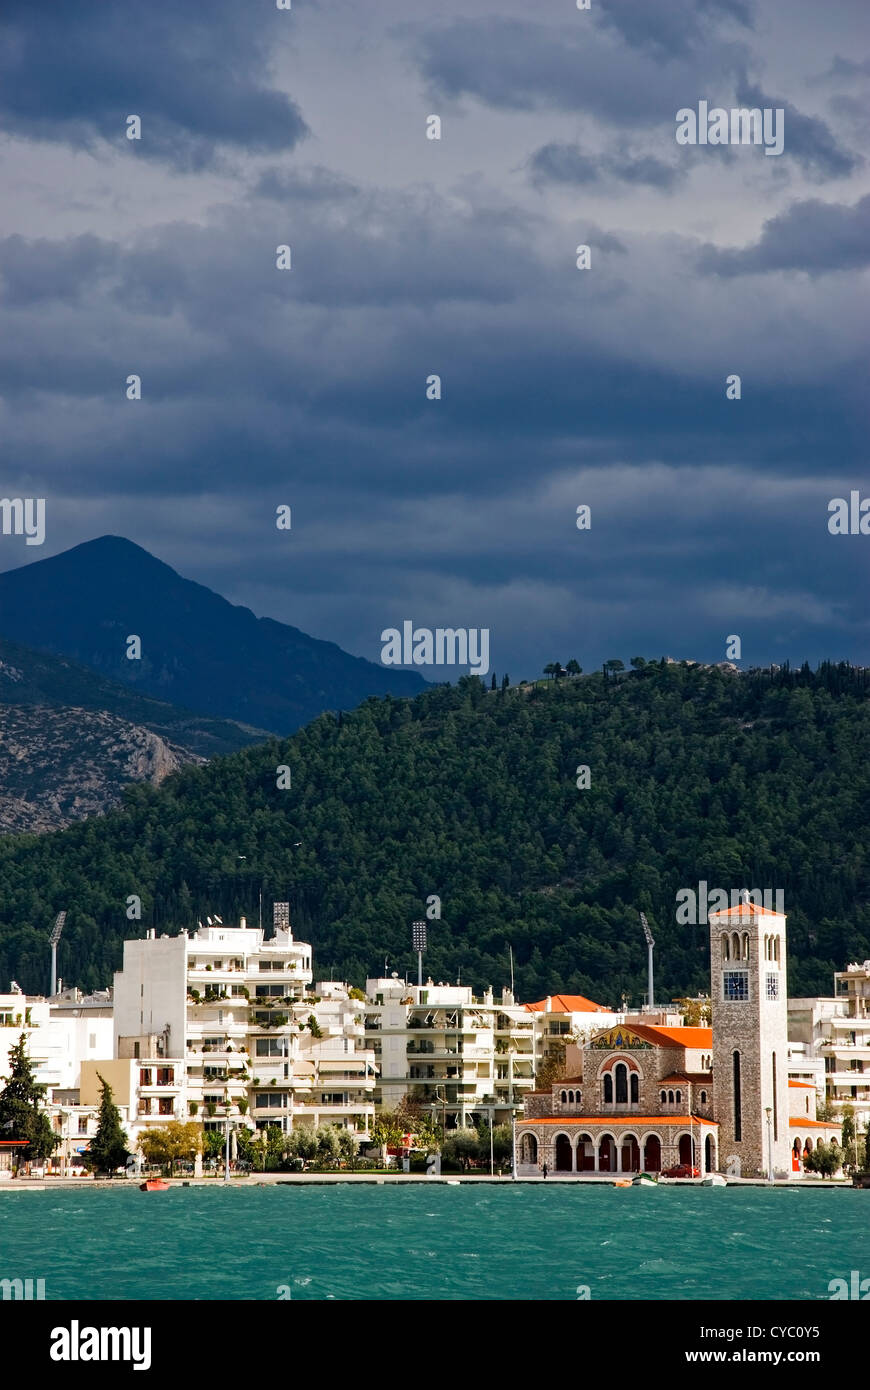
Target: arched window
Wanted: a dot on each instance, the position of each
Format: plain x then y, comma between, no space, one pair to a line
670,1097
726,954
738,1103
608,1089
735,946
564,1097
679,1097
703,1097
634,1088
745,953
664,1097
776,949
620,1072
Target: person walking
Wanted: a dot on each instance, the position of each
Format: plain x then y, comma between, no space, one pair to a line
545,1170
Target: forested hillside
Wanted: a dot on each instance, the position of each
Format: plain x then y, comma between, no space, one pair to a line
696,774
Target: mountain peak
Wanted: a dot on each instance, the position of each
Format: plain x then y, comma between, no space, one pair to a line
197,649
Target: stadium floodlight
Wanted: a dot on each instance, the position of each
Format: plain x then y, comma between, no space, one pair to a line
418,942
56,931
649,946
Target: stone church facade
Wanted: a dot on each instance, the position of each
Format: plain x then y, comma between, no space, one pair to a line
649,1098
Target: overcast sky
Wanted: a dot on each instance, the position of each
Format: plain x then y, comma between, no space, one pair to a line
412,256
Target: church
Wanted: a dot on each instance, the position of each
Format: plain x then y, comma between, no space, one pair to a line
649,1098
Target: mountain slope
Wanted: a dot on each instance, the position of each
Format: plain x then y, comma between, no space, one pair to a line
35,678
71,739
59,765
198,650
756,780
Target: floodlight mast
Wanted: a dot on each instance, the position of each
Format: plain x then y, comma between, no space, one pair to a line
56,931
418,941
649,946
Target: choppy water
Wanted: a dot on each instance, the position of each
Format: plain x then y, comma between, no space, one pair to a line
466,1242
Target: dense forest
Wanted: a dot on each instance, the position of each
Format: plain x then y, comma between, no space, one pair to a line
759,780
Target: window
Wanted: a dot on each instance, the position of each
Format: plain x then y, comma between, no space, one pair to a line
271,1100
621,1075
564,1097
608,1089
735,985
703,1097
634,1088
269,991
679,1097
145,1076
664,1097
738,1100
271,1047
772,986
83,1124
726,953
165,1105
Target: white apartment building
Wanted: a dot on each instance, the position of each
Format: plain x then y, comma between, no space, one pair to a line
221,1020
464,1058
60,1032
835,1033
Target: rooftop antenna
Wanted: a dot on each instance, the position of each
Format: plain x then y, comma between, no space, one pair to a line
52,941
511,950
649,946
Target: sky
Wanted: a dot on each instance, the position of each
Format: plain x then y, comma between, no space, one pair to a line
560,387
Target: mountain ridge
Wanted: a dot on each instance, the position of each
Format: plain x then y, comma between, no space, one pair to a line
199,650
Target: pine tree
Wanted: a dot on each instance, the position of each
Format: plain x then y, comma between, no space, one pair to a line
21,1116
108,1149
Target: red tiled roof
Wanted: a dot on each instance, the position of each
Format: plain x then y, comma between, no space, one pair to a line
797,1123
744,910
568,1004
807,1085
667,1037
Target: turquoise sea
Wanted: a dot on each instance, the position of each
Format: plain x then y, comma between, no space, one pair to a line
473,1241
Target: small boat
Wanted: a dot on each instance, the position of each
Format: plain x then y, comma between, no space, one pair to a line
154,1185
622,1182
713,1180
644,1180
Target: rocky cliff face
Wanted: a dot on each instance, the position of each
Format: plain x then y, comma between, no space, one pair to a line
61,764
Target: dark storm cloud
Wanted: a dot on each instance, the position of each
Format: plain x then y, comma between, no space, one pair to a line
196,75
41,269
808,140
523,66
568,164
811,236
323,369
676,27
559,386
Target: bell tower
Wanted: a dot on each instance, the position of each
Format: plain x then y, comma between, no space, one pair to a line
750,1038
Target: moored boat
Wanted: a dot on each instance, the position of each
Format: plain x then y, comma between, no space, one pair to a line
714,1180
644,1180
154,1185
